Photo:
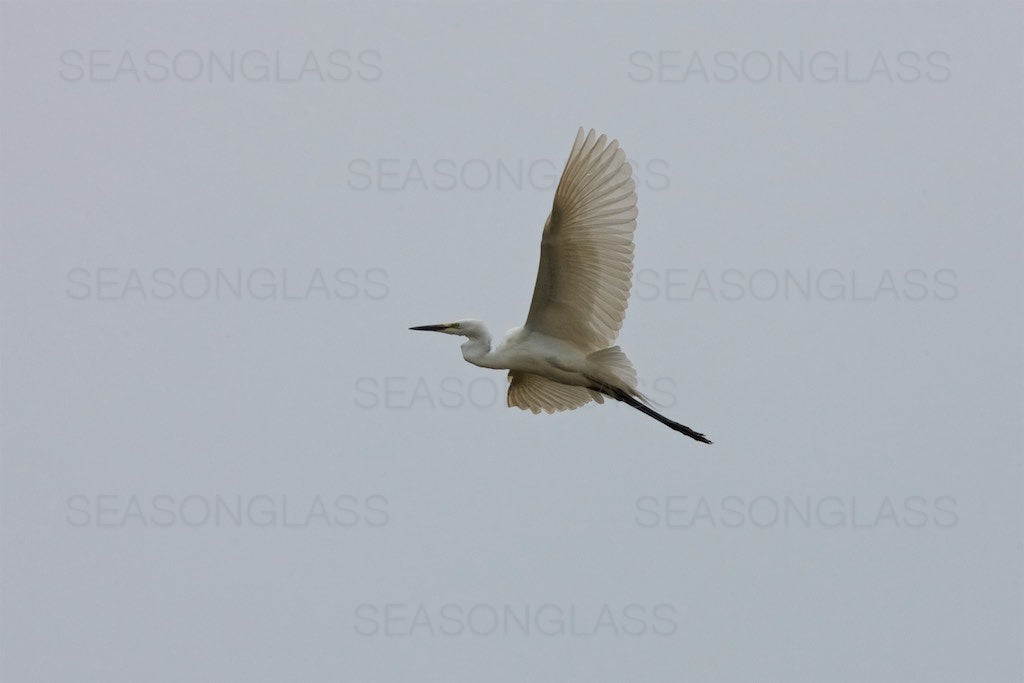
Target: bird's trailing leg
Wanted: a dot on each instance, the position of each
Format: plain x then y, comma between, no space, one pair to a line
620,395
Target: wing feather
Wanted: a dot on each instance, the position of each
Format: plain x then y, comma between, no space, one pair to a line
535,393
586,256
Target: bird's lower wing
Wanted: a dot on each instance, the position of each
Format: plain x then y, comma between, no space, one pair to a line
535,393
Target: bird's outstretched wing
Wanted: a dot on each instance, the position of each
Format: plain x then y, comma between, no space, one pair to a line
535,393
586,253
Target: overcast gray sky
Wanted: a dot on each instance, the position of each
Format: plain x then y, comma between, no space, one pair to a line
226,458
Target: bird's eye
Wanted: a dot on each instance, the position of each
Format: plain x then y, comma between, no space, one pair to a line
456,325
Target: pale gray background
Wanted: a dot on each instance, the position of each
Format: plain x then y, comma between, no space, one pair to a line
112,400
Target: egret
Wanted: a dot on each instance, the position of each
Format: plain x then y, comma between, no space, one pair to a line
564,357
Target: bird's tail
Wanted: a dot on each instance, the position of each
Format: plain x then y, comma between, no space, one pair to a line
613,375
611,366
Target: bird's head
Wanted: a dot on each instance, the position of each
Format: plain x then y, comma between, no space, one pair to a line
464,328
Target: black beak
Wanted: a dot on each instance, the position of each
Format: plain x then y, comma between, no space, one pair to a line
430,328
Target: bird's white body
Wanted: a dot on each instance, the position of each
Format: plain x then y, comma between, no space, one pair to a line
564,356
533,352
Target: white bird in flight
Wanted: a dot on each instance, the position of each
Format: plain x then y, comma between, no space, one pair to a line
563,357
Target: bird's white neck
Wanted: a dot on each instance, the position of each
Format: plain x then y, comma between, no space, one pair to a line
477,350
